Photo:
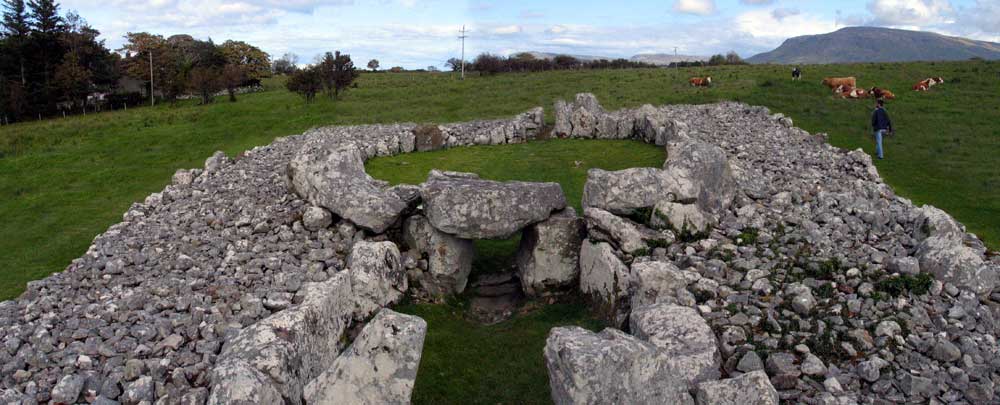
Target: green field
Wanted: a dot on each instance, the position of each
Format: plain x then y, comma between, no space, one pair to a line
63,181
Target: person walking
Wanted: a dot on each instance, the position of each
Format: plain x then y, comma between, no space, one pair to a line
881,124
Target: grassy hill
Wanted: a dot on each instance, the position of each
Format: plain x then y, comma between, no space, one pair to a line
877,44
64,181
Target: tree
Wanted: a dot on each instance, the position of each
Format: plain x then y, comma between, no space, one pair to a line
432,69
256,64
732,58
455,64
306,82
17,28
233,76
337,72
73,80
717,60
45,16
373,64
488,64
285,65
565,62
205,82
397,69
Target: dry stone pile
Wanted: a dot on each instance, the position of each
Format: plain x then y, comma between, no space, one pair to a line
819,284
757,265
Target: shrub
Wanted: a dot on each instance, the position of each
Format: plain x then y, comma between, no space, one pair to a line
307,82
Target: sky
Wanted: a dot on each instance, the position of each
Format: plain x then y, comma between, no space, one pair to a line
421,33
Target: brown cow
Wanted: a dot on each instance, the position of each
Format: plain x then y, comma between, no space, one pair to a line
923,85
833,82
845,91
700,81
881,94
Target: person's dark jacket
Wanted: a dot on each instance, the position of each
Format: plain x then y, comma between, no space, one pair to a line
880,120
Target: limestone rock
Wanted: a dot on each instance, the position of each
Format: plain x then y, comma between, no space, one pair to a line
377,276
703,169
683,219
752,388
316,218
609,367
463,205
336,180
944,253
623,192
604,279
625,234
659,282
548,258
682,337
449,259
379,367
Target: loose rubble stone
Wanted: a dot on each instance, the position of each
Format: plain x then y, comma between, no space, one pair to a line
468,207
683,336
750,388
316,218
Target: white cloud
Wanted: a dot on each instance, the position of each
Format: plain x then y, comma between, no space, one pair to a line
757,2
911,12
697,7
776,25
506,30
780,13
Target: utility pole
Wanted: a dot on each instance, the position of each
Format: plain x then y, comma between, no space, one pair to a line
462,37
152,99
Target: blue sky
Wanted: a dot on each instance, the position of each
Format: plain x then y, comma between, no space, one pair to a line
418,33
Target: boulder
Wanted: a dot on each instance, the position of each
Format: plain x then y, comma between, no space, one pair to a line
377,276
653,126
659,282
683,219
548,259
449,259
629,236
428,138
316,218
943,252
700,170
217,161
609,367
270,361
604,280
624,192
753,388
379,367
336,180
683,337
468,207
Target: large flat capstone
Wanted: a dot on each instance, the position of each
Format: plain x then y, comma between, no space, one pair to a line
378,368
335,179
468,207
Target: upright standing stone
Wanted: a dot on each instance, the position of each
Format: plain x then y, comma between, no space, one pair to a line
548,258
449,259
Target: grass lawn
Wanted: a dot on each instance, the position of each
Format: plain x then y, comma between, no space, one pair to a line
63,181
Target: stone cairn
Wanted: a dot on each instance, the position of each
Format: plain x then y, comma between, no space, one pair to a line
758,265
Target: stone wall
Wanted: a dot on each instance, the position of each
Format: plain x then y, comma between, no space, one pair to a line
264,279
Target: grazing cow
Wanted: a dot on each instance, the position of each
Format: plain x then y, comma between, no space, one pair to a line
923,85
796,73
833,82
881,94
700,81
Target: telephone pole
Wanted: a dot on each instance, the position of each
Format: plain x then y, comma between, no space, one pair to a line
462,37
152,100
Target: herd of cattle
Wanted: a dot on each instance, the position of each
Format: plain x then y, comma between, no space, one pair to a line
845,87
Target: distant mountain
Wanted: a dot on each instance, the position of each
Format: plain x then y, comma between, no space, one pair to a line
664,59
875,44
653,58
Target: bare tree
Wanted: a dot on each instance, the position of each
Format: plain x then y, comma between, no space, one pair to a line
373,64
